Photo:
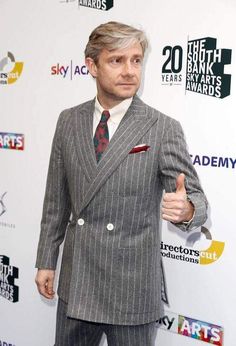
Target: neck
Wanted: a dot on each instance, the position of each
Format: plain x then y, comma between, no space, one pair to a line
108,103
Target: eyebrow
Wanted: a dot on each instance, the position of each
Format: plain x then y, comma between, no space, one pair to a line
123,55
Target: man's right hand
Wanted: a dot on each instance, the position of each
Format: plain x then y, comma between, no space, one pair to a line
44,281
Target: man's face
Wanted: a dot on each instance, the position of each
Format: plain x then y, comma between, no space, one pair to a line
117,73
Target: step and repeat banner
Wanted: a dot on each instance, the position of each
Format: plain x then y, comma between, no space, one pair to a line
189,74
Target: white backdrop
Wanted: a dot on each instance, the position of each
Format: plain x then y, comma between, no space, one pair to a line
41,73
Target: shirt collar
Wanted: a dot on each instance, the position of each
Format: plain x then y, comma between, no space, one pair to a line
117,112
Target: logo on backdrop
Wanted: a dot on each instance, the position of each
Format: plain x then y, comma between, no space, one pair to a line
13,141
172,68
69,71
5,343
3,211
193,255
196,329
8,274
214,161
103,5
10,69
3,208
205,65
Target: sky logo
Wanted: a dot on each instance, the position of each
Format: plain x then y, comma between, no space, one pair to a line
69,71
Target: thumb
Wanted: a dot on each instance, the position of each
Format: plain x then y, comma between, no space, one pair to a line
180,187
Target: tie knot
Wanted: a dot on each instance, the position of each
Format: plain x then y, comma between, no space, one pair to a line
105,116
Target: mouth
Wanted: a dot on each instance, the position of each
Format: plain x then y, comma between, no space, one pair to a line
126,84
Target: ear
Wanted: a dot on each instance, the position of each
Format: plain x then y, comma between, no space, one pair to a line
91,66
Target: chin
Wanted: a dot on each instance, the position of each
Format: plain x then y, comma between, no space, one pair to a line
127,94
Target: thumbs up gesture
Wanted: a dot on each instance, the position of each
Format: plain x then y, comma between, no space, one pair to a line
175,206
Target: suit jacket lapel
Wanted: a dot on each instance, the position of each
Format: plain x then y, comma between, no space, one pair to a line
132,127
83,132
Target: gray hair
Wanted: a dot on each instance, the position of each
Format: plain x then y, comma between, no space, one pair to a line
113,35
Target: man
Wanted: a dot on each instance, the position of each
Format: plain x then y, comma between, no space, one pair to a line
105,183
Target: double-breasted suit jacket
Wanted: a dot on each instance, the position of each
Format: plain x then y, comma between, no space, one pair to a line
108,213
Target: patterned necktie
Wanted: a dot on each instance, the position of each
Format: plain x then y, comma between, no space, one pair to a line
101,137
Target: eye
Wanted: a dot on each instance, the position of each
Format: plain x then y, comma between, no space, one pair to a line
137,61
115,61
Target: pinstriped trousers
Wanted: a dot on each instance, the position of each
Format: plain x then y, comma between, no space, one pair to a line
73,332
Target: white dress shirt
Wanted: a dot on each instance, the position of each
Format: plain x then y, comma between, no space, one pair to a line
116,115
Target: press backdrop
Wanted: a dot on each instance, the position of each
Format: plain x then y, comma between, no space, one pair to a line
189,74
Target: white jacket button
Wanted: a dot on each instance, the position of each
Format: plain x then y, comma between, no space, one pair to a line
110,226
80,222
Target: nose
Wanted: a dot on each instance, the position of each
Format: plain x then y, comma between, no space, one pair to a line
128,69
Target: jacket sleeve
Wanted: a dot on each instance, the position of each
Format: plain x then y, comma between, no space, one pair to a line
175,159
57,205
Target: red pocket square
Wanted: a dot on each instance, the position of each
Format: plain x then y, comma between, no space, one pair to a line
139,148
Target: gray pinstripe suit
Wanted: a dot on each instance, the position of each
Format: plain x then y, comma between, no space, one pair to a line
112,275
